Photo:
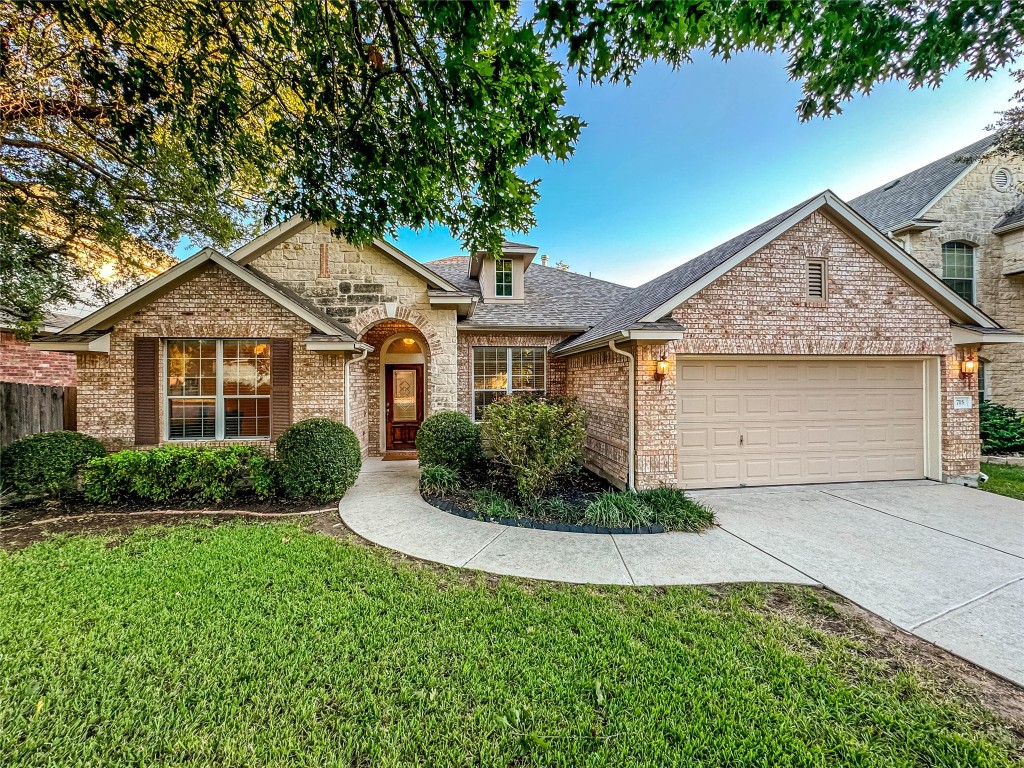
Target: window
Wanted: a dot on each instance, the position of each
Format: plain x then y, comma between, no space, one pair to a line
958,269
984,383
218,389
500,371
503,278
816,279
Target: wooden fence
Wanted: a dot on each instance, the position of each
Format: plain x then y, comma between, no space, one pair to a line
26,409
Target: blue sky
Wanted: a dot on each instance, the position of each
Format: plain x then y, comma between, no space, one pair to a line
681,161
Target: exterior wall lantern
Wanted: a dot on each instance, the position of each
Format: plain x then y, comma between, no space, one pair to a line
661,371
968,367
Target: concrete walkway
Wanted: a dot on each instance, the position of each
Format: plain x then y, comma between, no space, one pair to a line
385,507
941,561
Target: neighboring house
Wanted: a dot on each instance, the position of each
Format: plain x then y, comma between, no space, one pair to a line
963,217
20,364
808,349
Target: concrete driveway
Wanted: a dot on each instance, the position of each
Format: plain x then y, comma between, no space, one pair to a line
942,561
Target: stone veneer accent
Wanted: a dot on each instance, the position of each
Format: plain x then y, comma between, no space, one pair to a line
213,304
365,287
554,370
968,212
20,364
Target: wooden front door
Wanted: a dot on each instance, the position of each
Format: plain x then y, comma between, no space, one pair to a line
403,410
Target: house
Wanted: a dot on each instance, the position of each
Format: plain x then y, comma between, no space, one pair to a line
810,348
962,216
20,364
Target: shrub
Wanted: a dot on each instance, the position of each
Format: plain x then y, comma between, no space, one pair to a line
1002,429
47,464
319,459
177,472
438,480
673,509
535,440
448,439
618,509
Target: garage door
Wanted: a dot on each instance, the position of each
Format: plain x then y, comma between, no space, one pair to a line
784,421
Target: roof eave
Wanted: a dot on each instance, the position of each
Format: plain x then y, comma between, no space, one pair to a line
100,344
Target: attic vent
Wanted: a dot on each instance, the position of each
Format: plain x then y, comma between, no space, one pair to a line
816,279
1002,179
890,185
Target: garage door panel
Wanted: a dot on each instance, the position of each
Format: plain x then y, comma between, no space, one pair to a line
801,421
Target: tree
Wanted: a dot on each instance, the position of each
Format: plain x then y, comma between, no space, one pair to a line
156,118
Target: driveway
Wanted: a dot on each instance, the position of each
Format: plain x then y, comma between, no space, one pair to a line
942,561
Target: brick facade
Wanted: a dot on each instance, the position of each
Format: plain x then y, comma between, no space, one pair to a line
968,211
600,380
20,364
554,372
760,308
213,304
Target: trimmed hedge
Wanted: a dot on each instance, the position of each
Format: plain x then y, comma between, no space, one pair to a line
47,464
180,473
448,439
318,459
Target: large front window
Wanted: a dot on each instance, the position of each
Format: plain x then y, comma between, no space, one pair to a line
503,278
218,389
500,371
958,269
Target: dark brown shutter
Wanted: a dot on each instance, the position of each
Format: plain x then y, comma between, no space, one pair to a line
280,386
147,409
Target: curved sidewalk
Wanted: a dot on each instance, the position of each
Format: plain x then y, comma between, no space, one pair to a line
384,506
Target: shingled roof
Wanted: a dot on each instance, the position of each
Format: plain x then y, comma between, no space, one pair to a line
651,295
553,298
1014,219
908,197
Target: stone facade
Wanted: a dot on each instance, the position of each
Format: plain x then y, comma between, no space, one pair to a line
20,364
212,304
968,211
554,370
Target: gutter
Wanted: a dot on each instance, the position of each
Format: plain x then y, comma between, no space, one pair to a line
348,363
631,431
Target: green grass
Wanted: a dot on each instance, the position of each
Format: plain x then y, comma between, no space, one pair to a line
256,645
1004,479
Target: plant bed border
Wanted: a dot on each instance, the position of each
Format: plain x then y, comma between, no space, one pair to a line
525,522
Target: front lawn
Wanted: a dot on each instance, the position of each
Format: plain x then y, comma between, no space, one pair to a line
1004,479
253,645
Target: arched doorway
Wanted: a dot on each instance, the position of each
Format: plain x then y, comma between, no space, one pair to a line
403,397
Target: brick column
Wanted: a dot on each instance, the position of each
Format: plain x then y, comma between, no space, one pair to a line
656,420
961,444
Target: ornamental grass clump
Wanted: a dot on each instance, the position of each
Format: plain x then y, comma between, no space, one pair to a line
675,510
534,440
437,480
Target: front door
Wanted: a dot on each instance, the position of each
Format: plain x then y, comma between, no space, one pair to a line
403,397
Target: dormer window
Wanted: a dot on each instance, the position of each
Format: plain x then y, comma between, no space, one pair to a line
503,278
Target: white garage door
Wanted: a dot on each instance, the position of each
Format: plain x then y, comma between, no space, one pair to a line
781,421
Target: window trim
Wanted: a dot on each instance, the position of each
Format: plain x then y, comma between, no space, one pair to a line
219,421
508,374
974,269
511,278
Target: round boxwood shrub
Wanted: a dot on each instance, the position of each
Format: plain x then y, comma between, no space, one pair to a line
448,439
47,464
319,459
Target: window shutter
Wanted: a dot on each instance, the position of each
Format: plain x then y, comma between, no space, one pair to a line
147,407
280,386
816,279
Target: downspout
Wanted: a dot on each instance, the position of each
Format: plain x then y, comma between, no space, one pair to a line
631,430
348,363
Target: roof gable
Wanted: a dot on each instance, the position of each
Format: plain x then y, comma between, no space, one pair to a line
909,197
277,235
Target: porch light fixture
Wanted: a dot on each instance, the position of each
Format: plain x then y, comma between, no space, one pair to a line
661,371
968,367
